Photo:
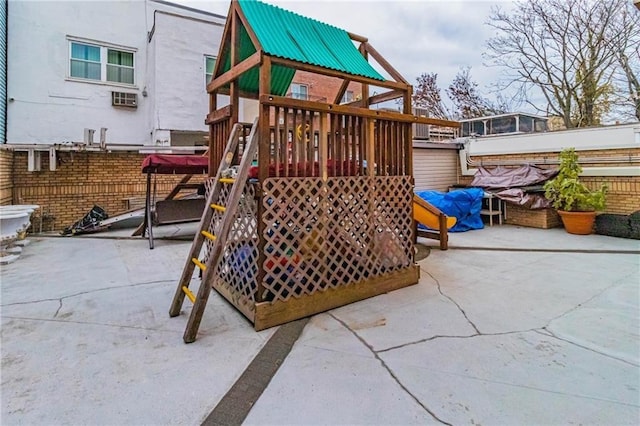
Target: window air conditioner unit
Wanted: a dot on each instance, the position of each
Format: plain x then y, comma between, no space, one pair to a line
122,99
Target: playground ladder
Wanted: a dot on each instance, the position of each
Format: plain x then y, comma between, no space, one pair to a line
219,237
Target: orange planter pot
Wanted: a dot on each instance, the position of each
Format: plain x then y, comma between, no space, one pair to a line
580,223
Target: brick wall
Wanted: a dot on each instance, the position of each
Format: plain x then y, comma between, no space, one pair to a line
6,180
321,86
623,196
82,180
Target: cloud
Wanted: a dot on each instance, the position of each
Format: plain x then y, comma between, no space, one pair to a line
414,36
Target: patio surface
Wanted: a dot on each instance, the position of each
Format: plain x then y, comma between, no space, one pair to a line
510,326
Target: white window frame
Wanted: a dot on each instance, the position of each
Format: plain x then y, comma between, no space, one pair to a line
206,79
346,98
297,94
104,48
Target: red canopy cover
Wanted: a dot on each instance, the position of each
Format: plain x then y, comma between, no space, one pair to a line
175,164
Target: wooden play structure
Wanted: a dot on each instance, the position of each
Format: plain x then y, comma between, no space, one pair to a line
311,206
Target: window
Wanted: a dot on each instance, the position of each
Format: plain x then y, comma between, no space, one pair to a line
101,63
119,66
347,97
209,65
85,61
299,91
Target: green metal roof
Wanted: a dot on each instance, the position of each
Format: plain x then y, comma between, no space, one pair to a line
281,77
287,35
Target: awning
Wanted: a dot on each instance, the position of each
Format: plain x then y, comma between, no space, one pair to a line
175,164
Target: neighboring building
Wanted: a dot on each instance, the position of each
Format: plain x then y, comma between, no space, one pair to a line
503,124
319,88
138,69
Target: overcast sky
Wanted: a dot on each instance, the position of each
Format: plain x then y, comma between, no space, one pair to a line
414,36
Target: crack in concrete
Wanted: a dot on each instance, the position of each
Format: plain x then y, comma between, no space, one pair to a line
552,334
59,307
60,299
452,301
391,373
579,305
91,323
445,336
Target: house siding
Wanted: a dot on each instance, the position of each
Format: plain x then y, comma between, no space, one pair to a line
434,168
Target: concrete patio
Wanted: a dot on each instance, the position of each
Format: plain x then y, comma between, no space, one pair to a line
510,326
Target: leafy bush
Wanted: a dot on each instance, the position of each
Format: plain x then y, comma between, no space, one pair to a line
566,192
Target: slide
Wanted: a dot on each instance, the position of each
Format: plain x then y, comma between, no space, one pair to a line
428,215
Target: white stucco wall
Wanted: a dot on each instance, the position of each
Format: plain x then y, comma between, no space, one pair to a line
45,106
180,48
607,137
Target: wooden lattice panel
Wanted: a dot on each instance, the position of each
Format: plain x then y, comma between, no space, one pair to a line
393,240
293,236
237,270
327,234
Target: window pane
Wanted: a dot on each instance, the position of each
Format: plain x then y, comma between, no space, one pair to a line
119,74
126,75
117,57
86,52
83,69
211,63
93,71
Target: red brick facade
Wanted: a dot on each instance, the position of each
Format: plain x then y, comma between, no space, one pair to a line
323,87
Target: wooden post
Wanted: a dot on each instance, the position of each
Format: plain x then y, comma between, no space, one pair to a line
213,143
408,135
264,145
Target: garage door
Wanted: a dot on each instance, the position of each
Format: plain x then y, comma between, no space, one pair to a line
434,168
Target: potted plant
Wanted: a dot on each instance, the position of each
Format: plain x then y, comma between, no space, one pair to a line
576,204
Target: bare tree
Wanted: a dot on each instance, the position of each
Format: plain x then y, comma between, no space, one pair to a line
468,101
426,95
566,49
628,56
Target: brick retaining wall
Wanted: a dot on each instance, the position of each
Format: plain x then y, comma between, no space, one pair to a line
623,196
82,179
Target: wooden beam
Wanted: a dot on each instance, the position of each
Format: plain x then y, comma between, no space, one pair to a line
245,24
235,72
386,96
358,38
341,91
384,64
264,153
218,115
349,110
234,98
339,74
241,93
269,314
226,36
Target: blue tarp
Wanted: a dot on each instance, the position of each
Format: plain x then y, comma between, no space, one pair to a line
463,204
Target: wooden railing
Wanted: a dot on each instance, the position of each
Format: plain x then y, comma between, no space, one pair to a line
310,139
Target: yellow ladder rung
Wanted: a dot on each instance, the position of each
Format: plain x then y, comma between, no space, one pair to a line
218,207
189,294
209,235
198,263
226,180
